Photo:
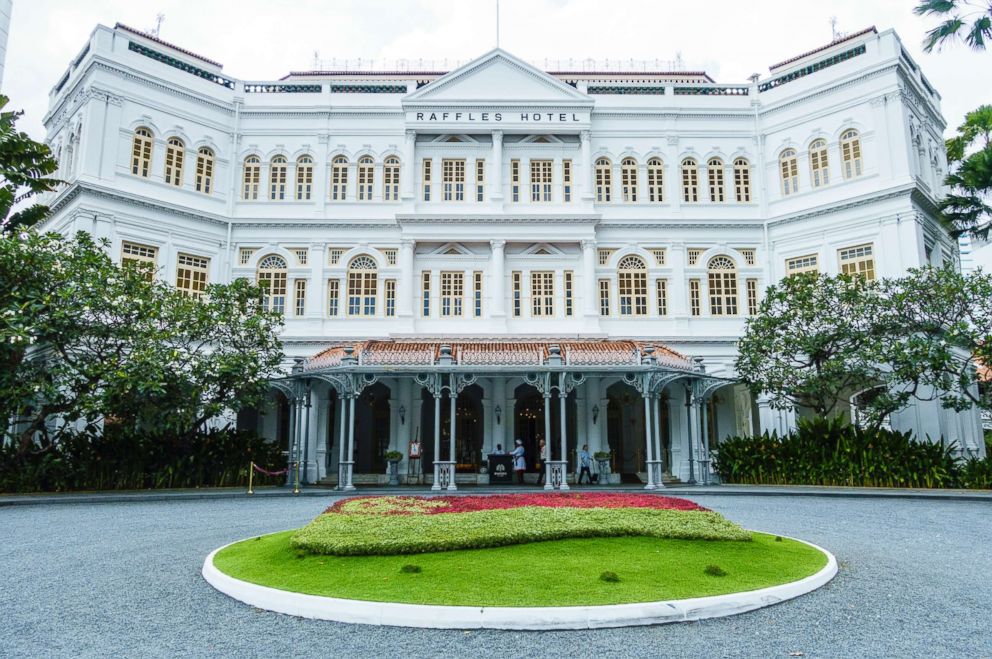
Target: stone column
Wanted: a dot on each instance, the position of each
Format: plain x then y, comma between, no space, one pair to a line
648,441
408,168
496,167
315,286
322,173
590,287
497,280
676,427
585,138
499,400
453,396
406,286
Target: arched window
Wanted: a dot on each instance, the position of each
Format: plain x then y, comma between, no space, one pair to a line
339,178
277,178
175,151
656,181
690,181
251,178
714,169
628,180
366,178
391,179
272,277
362,286
204,170
742,181
632,284
604,180
141,152
789,167
818,165
304,178
723,286
850,151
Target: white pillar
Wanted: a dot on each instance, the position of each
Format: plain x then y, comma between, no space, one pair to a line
497,280
351,444
342,440
648,441
499,400
453,397
436,485
659,451
406,285
590,296
562,397
408,168
315,285
496,167
585,138
547,438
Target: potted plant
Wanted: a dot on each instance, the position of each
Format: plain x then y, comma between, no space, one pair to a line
393,458
603,466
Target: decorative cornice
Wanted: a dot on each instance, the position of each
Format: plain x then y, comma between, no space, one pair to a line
78,188
421,218
864,200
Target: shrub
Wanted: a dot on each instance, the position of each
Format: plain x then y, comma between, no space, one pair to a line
394,455
609,577
385,534
601,455
832,452
715,571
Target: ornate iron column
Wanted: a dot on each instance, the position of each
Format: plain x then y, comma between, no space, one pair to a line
659,450
453,397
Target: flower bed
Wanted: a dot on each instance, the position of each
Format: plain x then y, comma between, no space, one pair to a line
408,525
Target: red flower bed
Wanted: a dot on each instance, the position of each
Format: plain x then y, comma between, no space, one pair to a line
414,505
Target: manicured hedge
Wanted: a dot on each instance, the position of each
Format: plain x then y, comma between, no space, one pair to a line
384,534
831,452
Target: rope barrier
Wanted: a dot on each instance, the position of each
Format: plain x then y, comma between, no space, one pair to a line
254,467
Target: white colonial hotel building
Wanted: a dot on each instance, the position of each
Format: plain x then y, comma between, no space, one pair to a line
536,246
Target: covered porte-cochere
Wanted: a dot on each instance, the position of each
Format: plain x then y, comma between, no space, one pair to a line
431,412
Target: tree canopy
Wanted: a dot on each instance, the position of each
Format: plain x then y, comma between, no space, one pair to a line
969,153
25,166
969,21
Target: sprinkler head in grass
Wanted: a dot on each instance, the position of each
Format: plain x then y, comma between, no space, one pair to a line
609,577
410,569
715,571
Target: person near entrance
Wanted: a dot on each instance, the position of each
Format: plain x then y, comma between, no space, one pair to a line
519,463
499,450
538,464
585,461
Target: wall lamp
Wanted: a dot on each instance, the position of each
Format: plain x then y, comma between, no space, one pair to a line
595,413
402,415
499,414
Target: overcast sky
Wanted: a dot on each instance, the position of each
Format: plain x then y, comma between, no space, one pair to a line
730,39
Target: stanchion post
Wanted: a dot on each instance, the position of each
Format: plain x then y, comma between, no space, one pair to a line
296,485
251,474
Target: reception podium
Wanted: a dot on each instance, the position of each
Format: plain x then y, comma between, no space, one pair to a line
500,469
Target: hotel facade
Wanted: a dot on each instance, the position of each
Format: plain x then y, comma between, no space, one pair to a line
497,252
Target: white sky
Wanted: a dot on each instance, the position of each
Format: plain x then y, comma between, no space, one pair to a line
262,40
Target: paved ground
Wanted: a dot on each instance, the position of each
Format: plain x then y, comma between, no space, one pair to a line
122,579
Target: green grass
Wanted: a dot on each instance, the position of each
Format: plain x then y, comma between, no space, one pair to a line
361,535
556,573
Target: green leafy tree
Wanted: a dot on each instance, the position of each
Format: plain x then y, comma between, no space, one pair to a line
818,339
965,20
966,209
25,166
85,341
814,340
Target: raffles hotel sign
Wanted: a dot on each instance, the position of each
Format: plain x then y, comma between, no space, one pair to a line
562,118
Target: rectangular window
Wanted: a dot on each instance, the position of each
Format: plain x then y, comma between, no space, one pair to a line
366,179
425,293
808,263
566,181
390,290
427,179
515,180
137,254
662,297
453,179
245,254
191,274
362,292
694,297
301,254
715,171
391,180
390,255
334,255
752,296
452,293
542,294
480,180
632,292
517,295
723,292
300,302
568,283
660,255
333,296
603,256
604,297
540,180
750,257
477,294
692,255
858,260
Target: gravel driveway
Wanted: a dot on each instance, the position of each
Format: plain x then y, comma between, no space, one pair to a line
124,580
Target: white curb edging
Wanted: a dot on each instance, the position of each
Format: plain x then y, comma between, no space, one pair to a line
519,618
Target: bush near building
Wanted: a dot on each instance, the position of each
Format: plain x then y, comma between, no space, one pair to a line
832,452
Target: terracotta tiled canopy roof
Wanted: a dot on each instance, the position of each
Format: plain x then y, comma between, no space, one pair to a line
574,352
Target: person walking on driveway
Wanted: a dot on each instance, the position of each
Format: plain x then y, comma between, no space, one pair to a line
519,463
585,461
